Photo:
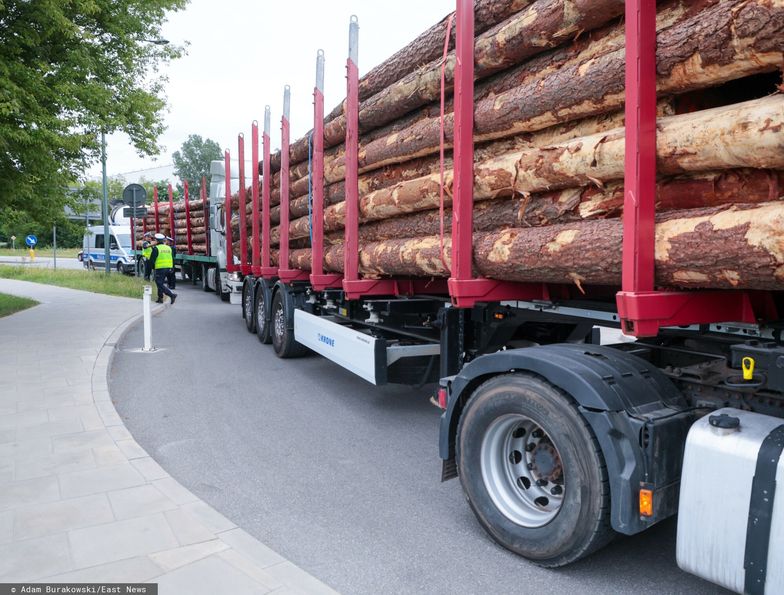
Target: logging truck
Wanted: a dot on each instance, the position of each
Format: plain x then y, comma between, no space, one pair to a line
561,440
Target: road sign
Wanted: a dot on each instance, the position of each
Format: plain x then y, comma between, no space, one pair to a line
134,195
31,240
135,213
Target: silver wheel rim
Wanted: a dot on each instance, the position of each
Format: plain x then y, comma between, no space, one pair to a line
522,471
248,304
260,315
280,326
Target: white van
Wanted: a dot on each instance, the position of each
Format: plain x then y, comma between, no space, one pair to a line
120,252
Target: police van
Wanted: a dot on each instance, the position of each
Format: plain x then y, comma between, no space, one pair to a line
120,251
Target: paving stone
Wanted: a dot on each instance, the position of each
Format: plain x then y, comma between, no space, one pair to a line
37,520
149,468
61,462
250,568
106,456
211,518
119,433
6,526
17,493
252,548
187,528
120,539
131,570
101,479
174,490
6,472
25,449
131,449
49,429
139,501
177,557
207,577
82,440
34,558
23,419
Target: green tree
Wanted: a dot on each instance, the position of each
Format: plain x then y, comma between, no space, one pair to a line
192,161
70,69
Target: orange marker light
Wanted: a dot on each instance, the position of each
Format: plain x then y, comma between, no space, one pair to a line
646,502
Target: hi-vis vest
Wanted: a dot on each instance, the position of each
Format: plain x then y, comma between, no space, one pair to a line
164,259
147,252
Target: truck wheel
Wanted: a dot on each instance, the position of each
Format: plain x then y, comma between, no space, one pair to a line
533,471
282,337
90,265
248,300
120,268
204,285
259,307
224,296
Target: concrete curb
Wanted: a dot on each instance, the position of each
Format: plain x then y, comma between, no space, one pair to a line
234,546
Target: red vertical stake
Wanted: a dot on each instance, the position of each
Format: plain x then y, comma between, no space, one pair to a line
267,270
463,200
227,215
244,264
640,166
317,172
155,208
254,177
188,217
171,214
351,230
205,205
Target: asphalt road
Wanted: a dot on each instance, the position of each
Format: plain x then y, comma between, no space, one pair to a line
42,262
338,476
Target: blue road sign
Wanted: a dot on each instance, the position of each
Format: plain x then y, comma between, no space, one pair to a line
31,240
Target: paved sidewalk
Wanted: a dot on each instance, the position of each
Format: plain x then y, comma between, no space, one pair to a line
80,500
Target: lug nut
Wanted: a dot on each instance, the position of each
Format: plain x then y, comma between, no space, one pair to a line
537,433
556,490
530,446
541,482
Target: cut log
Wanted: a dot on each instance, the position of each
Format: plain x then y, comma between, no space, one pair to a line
738,246
731,40
749,134
681,192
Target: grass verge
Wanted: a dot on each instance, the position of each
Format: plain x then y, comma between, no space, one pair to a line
10,304
94,281
44,252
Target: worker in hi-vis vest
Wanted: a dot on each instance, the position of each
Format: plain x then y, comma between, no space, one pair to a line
162,262
146,252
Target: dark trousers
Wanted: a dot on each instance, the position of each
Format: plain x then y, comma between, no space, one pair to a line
147,268
160,281
170,278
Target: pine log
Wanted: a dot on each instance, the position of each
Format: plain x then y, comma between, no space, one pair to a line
749,134
708,189
737,246
731,40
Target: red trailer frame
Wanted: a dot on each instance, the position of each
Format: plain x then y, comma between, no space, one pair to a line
243,199
171,213
285,273
255,267
267,271
187,216
206,207
155,208
230,268
318,279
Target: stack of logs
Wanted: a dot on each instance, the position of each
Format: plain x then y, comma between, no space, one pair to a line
549,161
180,235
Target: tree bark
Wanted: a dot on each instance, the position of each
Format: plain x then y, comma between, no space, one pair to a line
731,40
736,246
749,134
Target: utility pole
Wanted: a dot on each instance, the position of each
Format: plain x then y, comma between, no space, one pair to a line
105,206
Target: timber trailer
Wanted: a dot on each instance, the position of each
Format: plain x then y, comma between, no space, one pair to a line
208,269
559,442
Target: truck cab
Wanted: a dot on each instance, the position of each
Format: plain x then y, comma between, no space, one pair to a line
121,256
218,279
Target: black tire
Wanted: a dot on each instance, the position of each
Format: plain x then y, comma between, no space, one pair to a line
224,296
282,337
204,285
120,268
581,523
248,311
90,264
262,326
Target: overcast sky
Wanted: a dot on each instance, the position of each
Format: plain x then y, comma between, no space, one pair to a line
241,54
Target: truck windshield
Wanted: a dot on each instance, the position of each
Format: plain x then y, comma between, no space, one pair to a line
124,239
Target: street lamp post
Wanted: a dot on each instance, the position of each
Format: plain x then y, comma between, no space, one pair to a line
105,204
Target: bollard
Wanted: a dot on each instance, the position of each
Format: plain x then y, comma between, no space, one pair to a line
147,304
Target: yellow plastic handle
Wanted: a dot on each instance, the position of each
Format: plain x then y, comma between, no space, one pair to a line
747,363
